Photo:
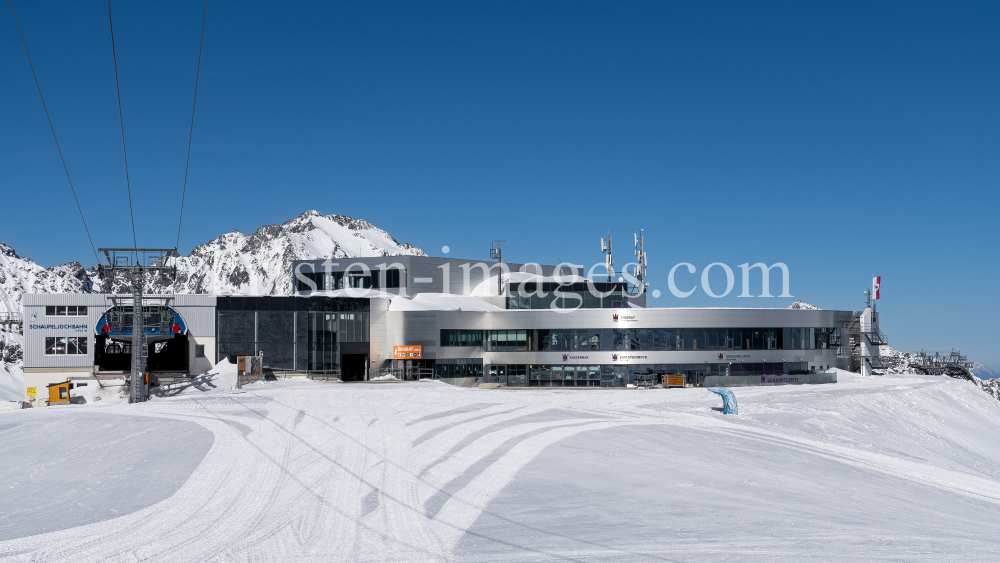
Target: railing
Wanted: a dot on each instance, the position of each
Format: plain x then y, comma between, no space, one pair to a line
877,337
324,375
408,374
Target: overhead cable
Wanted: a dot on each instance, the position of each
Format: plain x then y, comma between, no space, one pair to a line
121,120
47,116
197,75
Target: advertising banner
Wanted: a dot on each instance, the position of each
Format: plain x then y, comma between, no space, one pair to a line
406,352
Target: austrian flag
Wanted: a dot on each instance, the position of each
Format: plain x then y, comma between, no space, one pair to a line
876,281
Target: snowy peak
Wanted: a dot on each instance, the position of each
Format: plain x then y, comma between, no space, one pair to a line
984,372
804,305
260,263
20,275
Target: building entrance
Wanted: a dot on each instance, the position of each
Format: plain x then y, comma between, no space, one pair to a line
352,367
165,356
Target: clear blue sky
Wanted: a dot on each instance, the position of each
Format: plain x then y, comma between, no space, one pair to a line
846,139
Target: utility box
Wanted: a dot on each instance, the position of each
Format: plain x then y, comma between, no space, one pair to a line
59,393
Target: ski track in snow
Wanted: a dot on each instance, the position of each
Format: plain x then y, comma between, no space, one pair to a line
400,472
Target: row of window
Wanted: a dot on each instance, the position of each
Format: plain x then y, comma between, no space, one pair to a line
461,337
567,300
644,339
320,281
65,345
65,310
276,303
464,367
620,375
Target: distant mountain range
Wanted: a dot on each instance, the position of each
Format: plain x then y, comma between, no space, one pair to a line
256,264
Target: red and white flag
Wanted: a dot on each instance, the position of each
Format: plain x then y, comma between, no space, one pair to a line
876,281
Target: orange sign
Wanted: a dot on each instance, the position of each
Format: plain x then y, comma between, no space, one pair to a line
406,352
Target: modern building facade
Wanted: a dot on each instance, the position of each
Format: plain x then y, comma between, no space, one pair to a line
530,326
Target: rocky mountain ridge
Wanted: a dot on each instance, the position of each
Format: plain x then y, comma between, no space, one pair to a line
233,263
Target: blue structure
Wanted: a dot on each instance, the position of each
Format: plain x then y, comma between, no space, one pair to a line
105,328
728,400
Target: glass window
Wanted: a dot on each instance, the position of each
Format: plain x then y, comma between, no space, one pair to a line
82,344
645,339
770,339
61,310
61,344
672,337
50,311
659,339
71,345
50,345
698,339
607,339
544,339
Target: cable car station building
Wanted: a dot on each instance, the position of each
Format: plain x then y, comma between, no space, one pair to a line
455,320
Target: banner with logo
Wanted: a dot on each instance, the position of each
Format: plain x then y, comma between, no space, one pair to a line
876,282
406,352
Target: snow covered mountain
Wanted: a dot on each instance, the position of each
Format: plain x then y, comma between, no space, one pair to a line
984,372
255,264
260,263
803,305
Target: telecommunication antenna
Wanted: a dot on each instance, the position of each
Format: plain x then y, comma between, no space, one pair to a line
608,261
639,270
495,254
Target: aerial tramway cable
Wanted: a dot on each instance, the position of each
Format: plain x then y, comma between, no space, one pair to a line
47,116
121,120
194,104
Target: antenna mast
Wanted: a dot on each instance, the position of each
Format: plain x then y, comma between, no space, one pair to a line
609,263
639,270
496,255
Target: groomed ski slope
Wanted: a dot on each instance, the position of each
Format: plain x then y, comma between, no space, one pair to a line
891,468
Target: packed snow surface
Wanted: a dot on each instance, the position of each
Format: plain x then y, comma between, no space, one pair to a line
900,468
